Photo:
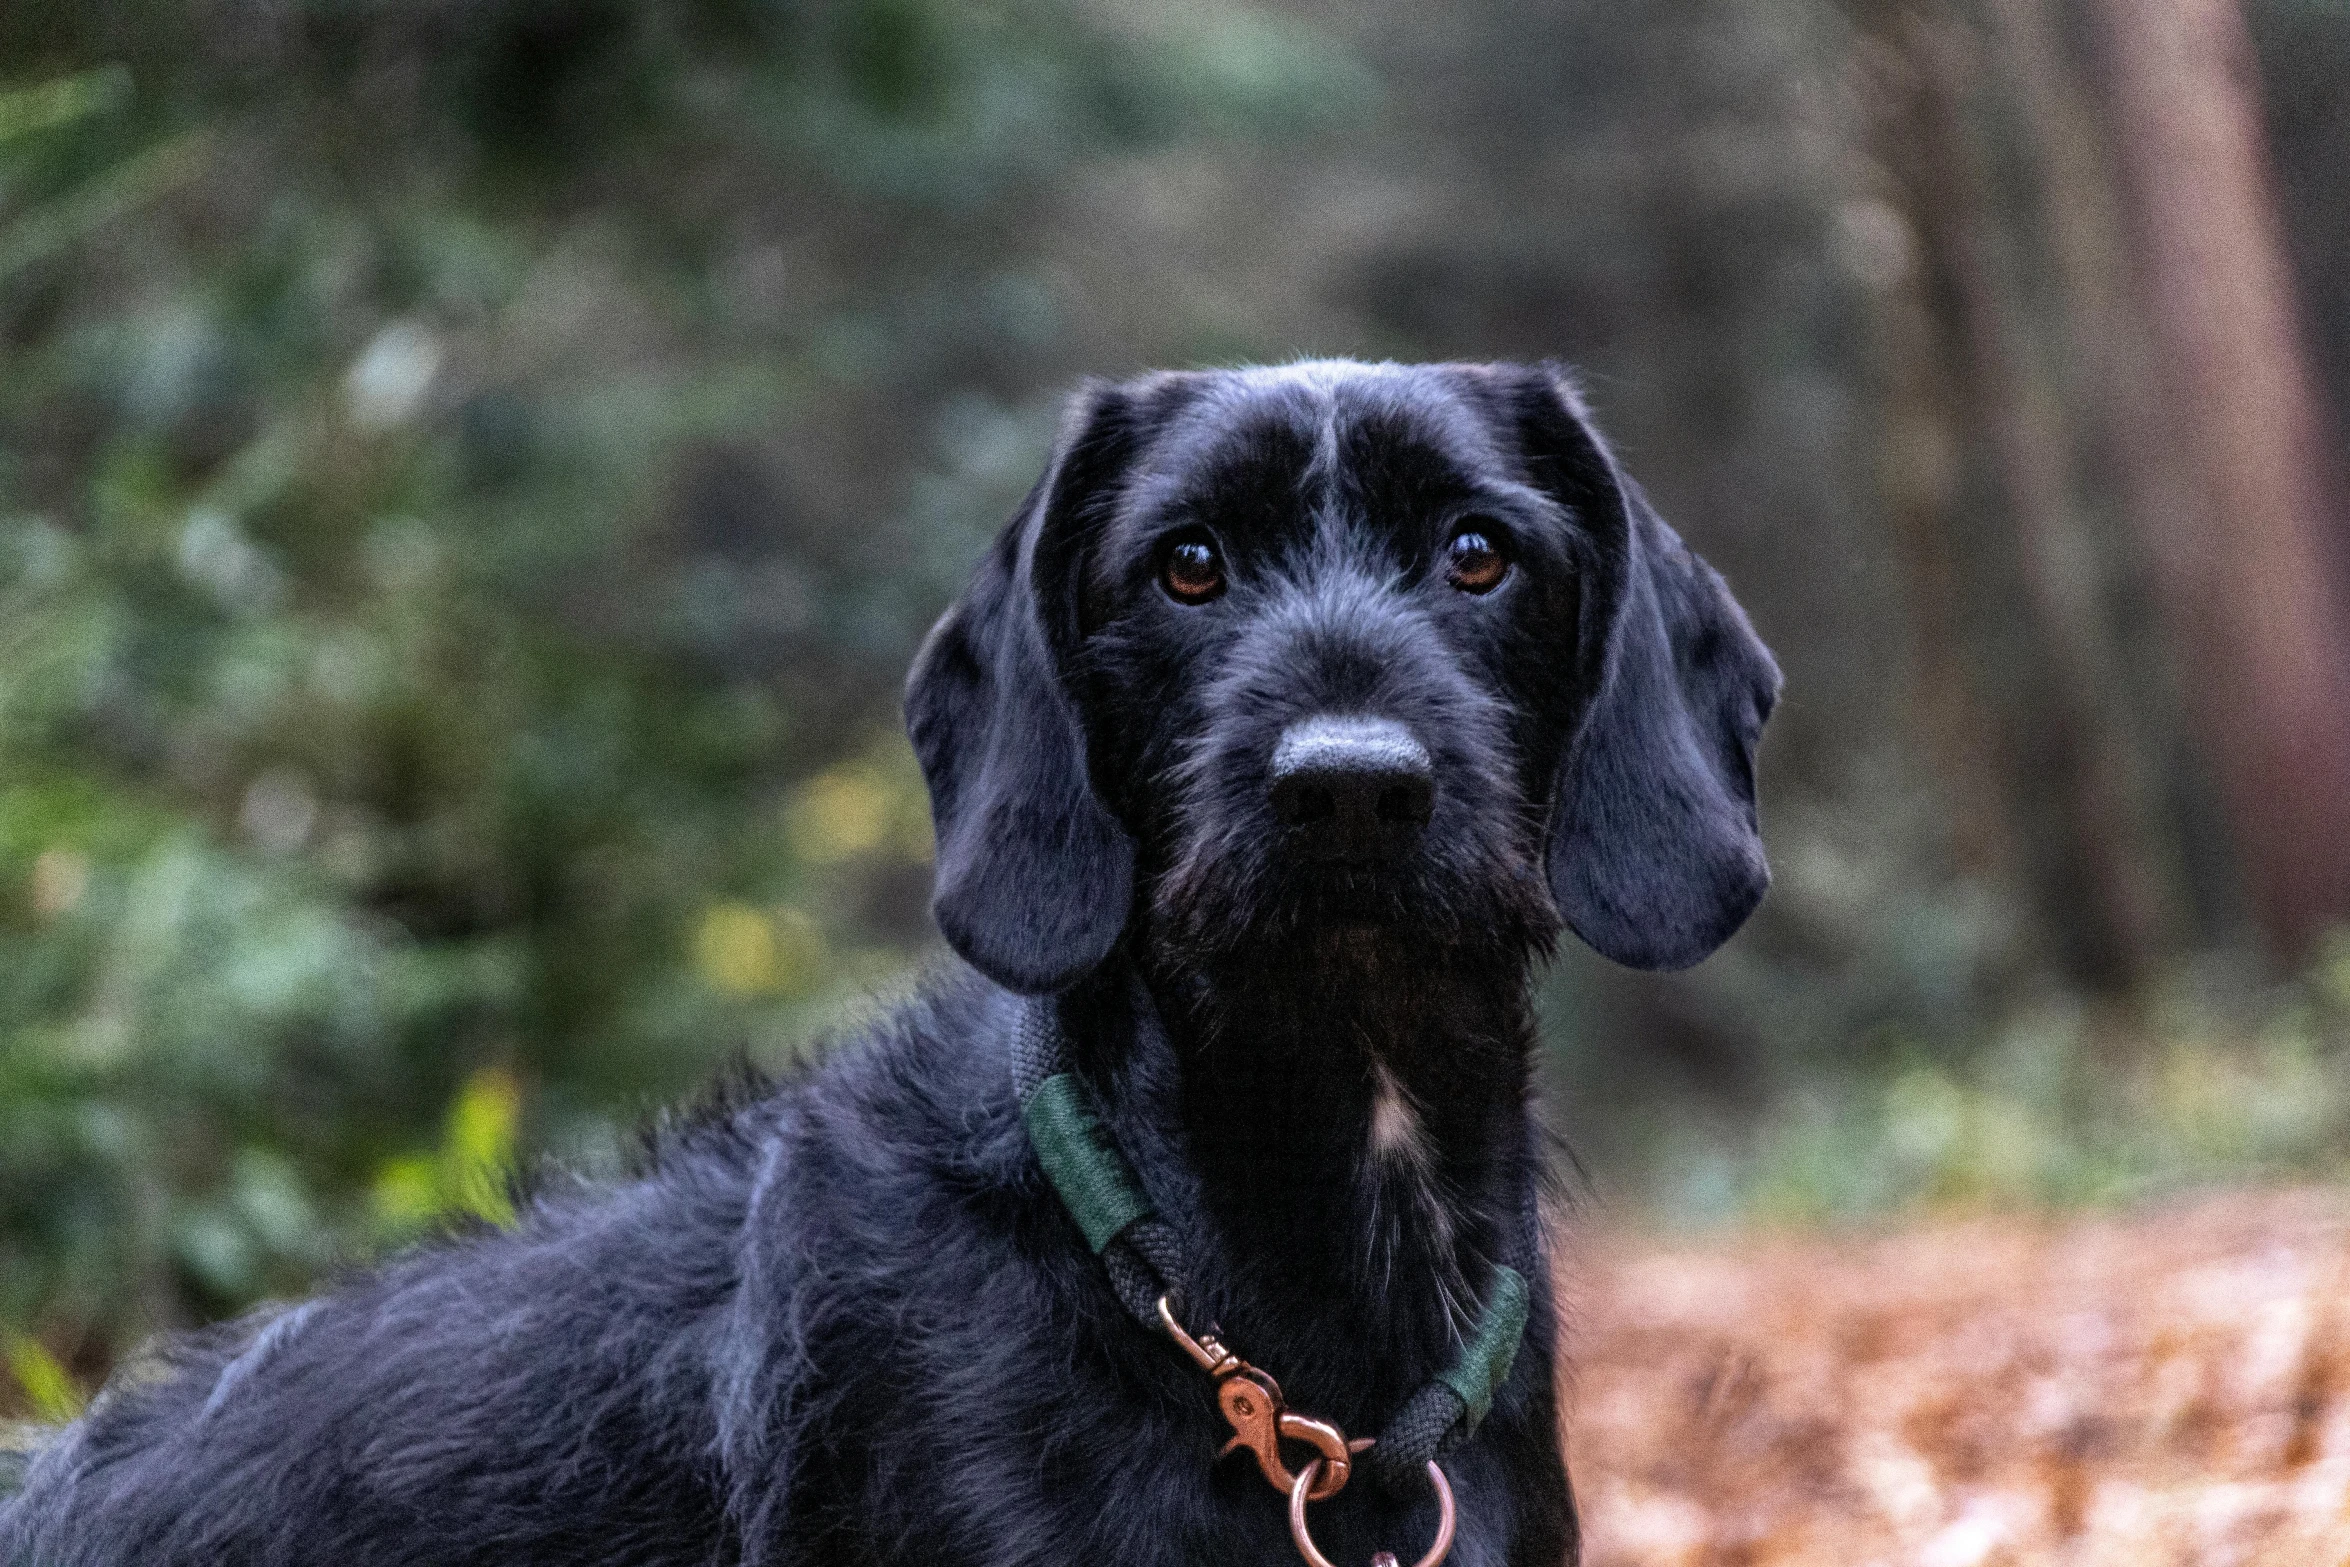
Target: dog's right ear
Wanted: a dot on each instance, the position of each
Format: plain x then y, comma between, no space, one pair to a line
1035,875
1655,856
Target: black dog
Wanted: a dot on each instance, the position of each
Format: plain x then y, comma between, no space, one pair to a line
1272,743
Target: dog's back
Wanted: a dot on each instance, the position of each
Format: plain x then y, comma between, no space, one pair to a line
509,1397
604,1383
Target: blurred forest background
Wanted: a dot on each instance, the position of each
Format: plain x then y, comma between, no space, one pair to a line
472,473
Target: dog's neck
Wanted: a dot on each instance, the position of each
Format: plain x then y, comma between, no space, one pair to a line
1354,1115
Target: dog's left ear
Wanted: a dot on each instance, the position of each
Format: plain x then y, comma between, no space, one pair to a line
1655,856
1035,875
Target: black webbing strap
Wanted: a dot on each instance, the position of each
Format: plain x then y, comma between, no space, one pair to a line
1145,1258
1082,1161
1454,1403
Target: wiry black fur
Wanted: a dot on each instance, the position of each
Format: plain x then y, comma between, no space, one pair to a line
847,1321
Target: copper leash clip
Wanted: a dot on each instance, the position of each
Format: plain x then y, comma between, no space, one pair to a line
1261,1421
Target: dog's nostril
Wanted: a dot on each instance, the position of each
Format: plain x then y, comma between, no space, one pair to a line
1298,802
1407,804
1353,785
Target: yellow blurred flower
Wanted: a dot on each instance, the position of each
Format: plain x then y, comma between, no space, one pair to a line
477,1150
47,1385
469,1172
735,951
407,1192
839,815
744,952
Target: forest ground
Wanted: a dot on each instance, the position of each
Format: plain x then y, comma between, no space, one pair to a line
2163,1387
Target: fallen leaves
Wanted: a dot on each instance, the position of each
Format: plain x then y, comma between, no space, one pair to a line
2170,1388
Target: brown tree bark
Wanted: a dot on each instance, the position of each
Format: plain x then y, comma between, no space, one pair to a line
1963,355
2241,554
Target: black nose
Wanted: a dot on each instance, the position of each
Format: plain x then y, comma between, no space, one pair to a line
1352,788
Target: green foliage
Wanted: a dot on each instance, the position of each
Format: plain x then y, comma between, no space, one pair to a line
462,522
2064,1107
45,1383
471,1173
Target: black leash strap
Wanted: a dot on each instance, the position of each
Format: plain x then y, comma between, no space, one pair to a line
1140,1249
1144,1256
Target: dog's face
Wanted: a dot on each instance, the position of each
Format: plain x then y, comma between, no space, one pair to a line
1339,645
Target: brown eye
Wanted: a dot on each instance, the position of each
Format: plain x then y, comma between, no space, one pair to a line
1473,564
1194,570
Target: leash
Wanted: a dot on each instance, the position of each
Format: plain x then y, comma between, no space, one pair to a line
1144,1258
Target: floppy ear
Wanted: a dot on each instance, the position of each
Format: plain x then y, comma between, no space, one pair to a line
1655,858
1034,873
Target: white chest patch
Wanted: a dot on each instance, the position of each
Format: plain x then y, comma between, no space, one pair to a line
1396,1132
1405,1203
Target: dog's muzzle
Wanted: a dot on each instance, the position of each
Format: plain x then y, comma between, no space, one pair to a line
1355,789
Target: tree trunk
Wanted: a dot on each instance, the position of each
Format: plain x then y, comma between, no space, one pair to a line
2241,555
2075,784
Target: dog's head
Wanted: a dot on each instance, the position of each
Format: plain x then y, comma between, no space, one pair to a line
1339,644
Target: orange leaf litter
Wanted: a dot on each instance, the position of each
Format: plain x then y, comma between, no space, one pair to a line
2166,1388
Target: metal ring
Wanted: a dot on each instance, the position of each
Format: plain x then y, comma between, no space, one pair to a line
1313,1553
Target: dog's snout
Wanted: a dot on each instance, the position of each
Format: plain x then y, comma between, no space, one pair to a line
1352,787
